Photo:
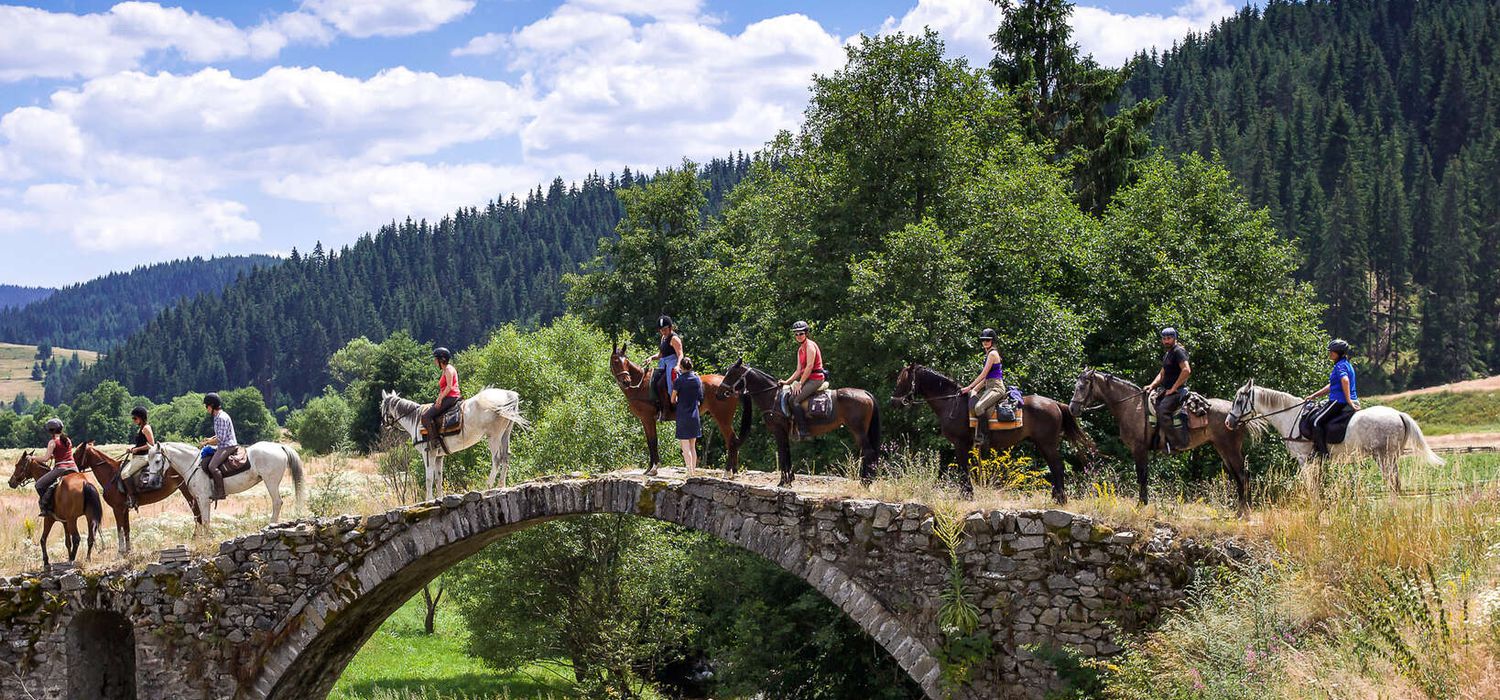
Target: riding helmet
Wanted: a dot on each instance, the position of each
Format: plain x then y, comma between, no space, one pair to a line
800,326
442,354
138,412
1169,332
665,322
988,334
53,425
1340,346
212,400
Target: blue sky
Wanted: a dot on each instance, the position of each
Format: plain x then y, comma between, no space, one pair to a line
137,132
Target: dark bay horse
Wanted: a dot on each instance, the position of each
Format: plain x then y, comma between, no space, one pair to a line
1127,403
855,409
107,471
73,498
635,383
1045,422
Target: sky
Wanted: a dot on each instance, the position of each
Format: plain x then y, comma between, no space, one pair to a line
136,132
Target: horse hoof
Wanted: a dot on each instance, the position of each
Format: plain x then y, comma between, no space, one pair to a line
867,482
651,471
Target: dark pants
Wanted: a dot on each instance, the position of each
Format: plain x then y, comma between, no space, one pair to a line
215,468
431,416
1320,421
1167,406
46,481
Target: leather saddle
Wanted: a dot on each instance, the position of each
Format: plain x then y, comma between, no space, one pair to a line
1334,432
450,423
1193,413
818,407
232,465
1005,415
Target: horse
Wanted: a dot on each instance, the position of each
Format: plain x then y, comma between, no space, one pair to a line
489,415
1046,422
107,471
635,382
269,462
73,497
1378,431
855,409
1127,403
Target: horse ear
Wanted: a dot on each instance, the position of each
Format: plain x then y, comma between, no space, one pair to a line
624,345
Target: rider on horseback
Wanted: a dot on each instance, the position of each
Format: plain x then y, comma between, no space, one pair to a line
144,440
60,452
1341,393
668,355
448,396
809,377
224,442
1173,375
992,378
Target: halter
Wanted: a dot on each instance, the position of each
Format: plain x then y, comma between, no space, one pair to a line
1254,415
394,421
1089,390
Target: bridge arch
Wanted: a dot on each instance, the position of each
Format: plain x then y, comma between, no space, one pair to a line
412,546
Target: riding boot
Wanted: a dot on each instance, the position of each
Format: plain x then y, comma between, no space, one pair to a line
218,479
129,494
1320,444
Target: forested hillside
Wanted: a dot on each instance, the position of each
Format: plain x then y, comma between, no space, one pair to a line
449,282
101,312
1371,129
12,296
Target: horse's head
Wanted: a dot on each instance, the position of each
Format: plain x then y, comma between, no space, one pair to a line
156,459
906,385
1244,405
733,381
86,456
626,373
388,401
1083,392
23,470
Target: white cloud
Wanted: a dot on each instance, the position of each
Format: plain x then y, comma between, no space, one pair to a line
483,45
1112,37
113,218
366,195
365,18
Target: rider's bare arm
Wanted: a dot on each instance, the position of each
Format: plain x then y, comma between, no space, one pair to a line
1320,393
1187,371
1155,382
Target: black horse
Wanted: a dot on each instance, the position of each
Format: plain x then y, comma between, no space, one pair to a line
1045,423
854,408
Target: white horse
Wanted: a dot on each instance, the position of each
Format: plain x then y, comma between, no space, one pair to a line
1379,431
269,462
489,415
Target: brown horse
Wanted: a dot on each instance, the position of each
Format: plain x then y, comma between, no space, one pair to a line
855,409
1127,402
107,471
635,383
73,497
1045,423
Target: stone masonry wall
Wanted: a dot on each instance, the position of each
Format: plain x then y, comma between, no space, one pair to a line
278,614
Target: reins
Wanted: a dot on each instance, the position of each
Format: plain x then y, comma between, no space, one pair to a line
1255,415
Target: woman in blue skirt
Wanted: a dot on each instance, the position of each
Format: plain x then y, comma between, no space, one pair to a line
687,393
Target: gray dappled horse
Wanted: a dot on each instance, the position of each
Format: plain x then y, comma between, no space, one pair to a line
489,415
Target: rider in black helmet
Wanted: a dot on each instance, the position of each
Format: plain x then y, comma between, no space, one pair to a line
1343,396
992,378
1171,380
448,396
144,439
668,355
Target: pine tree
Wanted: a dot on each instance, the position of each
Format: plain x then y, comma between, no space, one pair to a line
1448,319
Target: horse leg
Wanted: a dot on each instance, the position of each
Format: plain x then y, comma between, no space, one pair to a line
504,458
964,445
273,487
1142,459
46,530
731,445
1234,467
122,531
1055,471
429,462
866,456
651,451
71,538
784,458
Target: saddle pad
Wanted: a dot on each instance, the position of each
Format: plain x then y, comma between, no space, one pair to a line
996,423
450,423
1197,421
1336,429
823,400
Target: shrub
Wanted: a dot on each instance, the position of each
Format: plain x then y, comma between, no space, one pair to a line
323,425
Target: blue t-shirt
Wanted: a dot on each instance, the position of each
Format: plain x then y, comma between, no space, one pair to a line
1342,369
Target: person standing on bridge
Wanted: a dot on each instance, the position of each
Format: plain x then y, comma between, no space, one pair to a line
448,396
1343,397
687,396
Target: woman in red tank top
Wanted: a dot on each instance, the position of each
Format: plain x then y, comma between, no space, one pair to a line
448,396
60,452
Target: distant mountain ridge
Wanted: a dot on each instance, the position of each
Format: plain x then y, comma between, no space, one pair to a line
450,282
13,296
101,312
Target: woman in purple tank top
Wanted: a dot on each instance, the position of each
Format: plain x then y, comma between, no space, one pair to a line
991,379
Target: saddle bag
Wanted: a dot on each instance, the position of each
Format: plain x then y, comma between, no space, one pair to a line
820,405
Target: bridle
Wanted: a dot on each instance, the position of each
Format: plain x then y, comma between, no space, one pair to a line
1088,395
1250,414
915,392
392,420
623,376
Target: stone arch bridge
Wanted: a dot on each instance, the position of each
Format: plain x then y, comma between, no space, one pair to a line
278,614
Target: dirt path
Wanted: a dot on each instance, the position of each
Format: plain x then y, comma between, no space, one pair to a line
1472,385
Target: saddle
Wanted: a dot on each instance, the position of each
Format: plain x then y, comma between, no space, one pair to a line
233,465
450,423
1334,432
818,407
1194,411
1005,415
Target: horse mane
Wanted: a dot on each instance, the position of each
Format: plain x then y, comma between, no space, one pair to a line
1281,398
932,375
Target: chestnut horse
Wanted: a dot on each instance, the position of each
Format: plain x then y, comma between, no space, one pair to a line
635,383
107,471
74,497
1045,422
855,409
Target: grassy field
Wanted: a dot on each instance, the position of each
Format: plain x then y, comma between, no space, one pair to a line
15,369
1451,412
401,661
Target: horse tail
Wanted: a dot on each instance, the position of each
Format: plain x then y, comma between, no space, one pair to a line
93,509
1072,431
746,408
294,465
873,434
1417,441
510,409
